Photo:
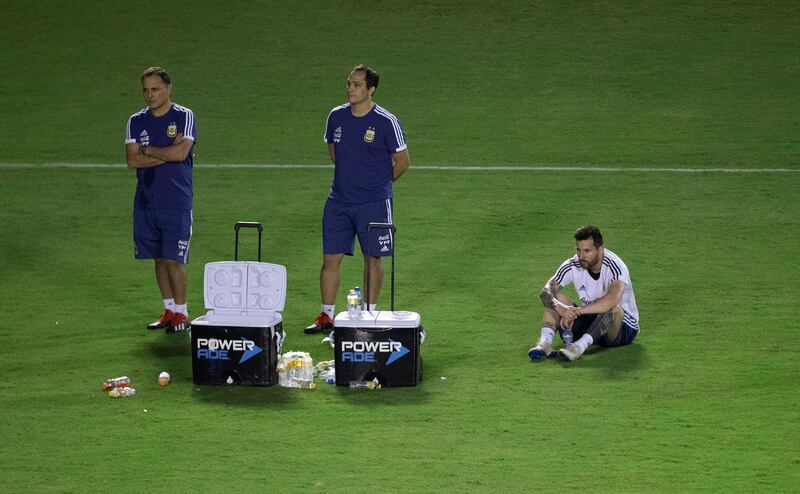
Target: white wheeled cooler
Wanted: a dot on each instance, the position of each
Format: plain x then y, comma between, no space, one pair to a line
238,340
379,344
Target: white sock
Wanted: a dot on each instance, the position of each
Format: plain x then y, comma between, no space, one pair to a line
372,307
181,309
546,336
585,342
169,304
329,309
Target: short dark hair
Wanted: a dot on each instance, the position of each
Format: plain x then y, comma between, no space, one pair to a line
370,75
589,231
159,72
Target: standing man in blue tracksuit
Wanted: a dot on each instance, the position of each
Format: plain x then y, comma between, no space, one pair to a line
158,144
368,148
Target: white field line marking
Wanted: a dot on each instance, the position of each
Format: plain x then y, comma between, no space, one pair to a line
453,168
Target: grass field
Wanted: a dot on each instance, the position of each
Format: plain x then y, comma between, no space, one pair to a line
705,400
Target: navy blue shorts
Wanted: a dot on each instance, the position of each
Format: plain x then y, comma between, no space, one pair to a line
342,222
162,234
625,336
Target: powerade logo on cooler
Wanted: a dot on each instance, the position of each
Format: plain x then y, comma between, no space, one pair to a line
364,351
216,349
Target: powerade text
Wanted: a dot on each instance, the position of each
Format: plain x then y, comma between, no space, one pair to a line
215,349
364,351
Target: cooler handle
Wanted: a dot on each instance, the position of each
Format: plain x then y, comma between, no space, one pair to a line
246,224
391,227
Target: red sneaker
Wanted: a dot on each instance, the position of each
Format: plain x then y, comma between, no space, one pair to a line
163,321
322,323
179,322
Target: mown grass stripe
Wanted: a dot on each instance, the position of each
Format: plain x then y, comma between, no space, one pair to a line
453,168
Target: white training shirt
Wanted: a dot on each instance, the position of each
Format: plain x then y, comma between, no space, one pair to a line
589,289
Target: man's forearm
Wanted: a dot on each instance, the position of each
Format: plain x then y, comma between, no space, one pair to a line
139,160
400,163
598,307
607,302
165,154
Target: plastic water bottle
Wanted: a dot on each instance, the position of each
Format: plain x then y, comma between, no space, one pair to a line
326,371
566,336
121,392
324,365
329,375
367,385
360,298
116,382
307,384
353,307
295,370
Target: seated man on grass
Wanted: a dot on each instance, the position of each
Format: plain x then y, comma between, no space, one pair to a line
607,314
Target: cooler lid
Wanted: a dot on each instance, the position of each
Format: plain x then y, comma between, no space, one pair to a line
236,286
379,319
267,319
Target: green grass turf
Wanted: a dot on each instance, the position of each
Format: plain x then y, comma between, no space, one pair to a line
686,83
703,400
706,399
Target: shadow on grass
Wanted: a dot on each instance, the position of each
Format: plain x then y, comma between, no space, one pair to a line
174,351
249,396
288,398
278,397
395,396
170,346
613,362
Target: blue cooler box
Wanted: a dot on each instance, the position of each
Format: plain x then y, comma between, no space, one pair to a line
380,344
238,340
